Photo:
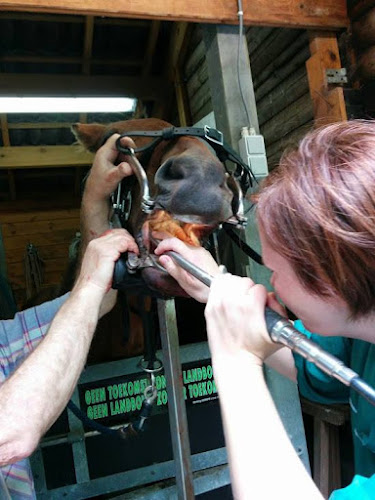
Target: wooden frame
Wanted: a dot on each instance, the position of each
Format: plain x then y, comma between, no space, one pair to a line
326,14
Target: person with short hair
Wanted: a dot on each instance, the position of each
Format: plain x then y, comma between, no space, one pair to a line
316,215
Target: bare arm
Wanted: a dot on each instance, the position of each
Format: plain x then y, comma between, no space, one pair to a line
96,211
262,460
33,397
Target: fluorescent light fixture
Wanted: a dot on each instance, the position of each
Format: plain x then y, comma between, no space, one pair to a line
66,104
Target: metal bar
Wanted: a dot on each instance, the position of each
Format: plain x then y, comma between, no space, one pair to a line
204,481
176,405
79,448
133,478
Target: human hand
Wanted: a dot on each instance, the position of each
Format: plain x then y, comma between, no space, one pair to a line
235,319
99,260
105,175
197,255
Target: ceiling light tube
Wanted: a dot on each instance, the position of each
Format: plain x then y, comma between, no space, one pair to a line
66,104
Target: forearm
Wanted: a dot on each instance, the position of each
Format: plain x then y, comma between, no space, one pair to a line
95,215
283,362
263,463
34,396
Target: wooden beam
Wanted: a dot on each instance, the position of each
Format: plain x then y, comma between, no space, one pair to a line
182,100
147,88
177,41
40,125
87,45
57,18
44,156
151,45
70,60
326,14
4,129
6,143
328,100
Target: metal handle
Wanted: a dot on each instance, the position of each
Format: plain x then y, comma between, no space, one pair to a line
283,332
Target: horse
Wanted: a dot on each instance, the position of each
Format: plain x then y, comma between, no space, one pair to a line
191,189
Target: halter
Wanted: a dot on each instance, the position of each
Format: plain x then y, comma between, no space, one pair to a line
242,176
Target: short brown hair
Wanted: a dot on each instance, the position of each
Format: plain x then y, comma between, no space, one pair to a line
317,209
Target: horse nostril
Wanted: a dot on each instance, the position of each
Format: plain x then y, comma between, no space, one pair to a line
171,171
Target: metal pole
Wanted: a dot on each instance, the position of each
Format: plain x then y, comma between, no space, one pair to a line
176,404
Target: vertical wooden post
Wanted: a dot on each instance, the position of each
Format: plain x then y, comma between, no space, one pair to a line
328,100
6,143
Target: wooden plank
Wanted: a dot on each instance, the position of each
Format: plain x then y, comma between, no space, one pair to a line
288,141
57,18
276,44
289,90
87,45
255,36
198,79
44,156
39,240
200,98
182,100
328,14
70,60
195,60
20,228
50,278
357,8
177,41
46,252
150,88
50,266
151,45
203,111
30,216
41,125
4,129
62,201
283,65
291,118
328,100
6,143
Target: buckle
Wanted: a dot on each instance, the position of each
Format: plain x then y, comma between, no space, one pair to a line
213,135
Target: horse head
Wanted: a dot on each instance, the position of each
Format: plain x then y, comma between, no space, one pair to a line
191,190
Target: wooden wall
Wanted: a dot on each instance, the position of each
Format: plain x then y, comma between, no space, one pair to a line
50,231
278,57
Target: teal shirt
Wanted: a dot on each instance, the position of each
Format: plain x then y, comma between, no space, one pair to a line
317,386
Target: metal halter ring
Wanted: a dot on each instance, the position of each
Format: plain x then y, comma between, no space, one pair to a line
144,363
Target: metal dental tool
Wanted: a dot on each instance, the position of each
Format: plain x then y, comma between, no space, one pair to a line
283,332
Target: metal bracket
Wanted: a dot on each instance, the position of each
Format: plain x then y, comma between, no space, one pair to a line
336,76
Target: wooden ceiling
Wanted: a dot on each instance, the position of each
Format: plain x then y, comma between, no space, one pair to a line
105,48
62,55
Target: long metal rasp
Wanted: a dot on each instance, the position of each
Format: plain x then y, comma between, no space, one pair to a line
282,331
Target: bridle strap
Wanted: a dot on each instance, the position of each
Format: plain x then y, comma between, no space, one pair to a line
243,246
212,136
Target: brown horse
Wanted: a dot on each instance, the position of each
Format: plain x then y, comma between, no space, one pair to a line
192,193
189,185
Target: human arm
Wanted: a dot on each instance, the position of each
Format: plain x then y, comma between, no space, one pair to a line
263,463
36,393
107,171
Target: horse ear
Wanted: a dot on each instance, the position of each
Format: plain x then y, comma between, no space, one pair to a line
89,135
